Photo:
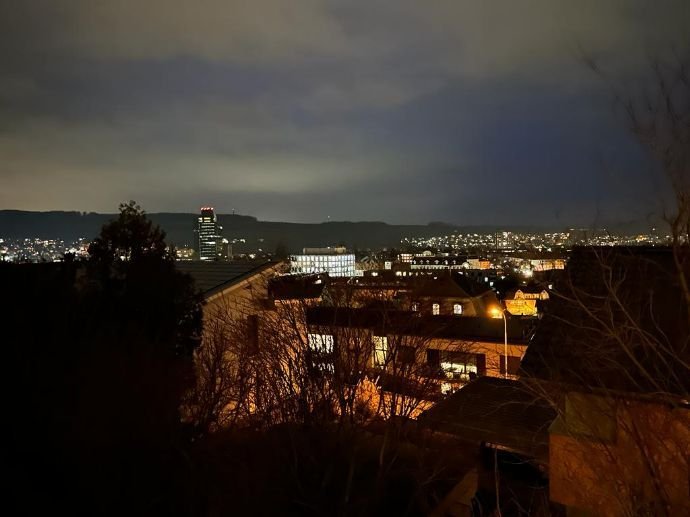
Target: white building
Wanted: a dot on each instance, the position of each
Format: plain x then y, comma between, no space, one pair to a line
337,262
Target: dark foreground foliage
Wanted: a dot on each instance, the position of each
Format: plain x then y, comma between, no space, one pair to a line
98,355
323,470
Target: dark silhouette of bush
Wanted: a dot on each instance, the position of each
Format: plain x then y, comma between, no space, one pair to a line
99,353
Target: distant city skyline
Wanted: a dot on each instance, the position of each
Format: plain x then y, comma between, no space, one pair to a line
468,113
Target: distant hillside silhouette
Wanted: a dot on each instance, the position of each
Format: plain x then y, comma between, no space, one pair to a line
258,234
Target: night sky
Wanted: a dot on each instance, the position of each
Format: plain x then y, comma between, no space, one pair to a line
477,112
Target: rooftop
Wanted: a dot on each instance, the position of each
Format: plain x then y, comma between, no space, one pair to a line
297,287
210,277
447,285
324,251
618,320
500,411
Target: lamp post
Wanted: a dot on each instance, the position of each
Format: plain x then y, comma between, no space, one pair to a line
505,341
502,312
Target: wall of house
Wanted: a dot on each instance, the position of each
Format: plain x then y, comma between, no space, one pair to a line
232,321
429,357
446,306
249,299
630,458
472,306
239,300
493,352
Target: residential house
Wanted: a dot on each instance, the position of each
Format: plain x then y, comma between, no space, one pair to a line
612,355
445,352
524,301
229,288
452,294
509,425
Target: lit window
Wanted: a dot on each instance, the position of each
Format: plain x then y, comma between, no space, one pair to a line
322,343
457,308
380,350
321,346
435,309
415,307
458,365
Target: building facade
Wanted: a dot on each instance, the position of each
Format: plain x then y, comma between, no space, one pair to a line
442,353
337,262
611,352
523,301
209,240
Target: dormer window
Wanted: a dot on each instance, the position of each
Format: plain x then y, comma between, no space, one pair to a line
435,309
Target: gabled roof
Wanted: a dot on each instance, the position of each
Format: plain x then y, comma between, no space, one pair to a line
528,289
297,287
471,286
213,277
499,411
449,285
598,343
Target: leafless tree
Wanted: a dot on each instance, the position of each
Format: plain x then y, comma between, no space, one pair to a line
353,367
622,438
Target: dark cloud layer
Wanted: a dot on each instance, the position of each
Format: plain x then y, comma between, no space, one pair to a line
469,112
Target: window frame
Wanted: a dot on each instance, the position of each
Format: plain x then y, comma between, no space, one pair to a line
380,351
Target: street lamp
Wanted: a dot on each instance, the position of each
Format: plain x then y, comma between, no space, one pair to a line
501,312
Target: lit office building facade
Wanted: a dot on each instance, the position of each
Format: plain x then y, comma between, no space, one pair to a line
208,235
337,262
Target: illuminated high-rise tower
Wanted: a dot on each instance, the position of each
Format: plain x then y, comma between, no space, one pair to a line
208,235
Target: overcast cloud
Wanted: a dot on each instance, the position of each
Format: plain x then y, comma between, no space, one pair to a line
468,112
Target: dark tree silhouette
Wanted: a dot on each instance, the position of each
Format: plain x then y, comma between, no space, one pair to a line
281,252
99,353
130,237
615,343
133,261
